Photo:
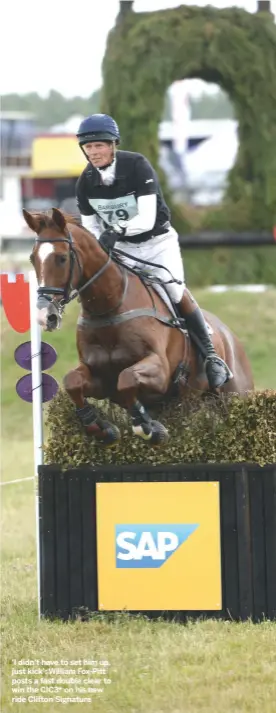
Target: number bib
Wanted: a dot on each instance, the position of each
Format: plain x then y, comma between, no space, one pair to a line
111,210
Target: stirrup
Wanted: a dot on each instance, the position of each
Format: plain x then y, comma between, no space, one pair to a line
215,380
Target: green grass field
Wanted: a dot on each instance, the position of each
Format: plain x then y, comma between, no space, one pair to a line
155,667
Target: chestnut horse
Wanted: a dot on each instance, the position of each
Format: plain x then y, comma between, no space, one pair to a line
132,350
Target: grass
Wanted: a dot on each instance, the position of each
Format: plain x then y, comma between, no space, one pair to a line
155,667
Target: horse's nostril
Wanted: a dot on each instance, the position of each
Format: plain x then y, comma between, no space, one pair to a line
52,319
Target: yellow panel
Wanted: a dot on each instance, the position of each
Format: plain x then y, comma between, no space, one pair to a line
57,156
158,546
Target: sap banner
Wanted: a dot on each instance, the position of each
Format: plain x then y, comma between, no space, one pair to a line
158,546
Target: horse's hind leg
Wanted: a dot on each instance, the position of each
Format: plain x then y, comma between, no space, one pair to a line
150,374
79,383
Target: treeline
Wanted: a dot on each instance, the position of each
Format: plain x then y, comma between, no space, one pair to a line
56,109
217,106
53,109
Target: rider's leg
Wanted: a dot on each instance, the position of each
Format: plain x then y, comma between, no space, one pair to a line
216,369
167,252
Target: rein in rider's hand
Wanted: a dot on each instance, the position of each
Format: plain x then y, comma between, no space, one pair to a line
109,237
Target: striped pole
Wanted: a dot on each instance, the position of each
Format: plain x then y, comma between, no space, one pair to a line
37,414
19,300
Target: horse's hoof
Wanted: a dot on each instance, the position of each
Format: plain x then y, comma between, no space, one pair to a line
159,434
107,434
111,436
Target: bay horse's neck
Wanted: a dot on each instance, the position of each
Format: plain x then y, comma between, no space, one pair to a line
103,294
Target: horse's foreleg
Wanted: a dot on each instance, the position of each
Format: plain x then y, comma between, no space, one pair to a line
150,374
79,384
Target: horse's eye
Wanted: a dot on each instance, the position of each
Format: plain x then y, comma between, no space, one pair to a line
60,259
32,259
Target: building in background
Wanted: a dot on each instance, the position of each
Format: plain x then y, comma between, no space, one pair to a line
210,152
208,162
57,163
39,171
18,130
181,118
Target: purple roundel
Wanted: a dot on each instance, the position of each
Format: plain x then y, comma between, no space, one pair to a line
49,387
23,357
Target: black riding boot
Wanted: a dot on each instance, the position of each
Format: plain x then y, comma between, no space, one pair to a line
216,370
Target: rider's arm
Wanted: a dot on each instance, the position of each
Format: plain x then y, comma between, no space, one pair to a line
145,218
92,223
146,192
89,218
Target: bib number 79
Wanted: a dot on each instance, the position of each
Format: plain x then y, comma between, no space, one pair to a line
113,214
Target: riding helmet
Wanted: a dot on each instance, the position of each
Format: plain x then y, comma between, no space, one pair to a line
98,127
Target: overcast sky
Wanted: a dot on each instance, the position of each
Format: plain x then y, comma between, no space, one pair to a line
60,44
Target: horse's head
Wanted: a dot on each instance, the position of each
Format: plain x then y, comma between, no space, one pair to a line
56,263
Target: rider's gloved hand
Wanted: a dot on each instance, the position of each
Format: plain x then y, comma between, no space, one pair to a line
109,237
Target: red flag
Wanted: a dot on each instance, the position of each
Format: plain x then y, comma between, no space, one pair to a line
15,300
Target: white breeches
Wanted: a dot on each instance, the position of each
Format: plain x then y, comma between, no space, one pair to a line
164,250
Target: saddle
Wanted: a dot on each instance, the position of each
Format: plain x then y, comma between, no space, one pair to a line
181,374
161,290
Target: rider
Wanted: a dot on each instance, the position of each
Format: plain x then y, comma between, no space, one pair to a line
120,201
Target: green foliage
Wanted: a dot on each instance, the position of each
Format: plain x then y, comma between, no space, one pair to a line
54,109
225,216
146,52
230,429
230,266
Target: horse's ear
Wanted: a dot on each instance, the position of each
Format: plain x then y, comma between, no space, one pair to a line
59,219
32,221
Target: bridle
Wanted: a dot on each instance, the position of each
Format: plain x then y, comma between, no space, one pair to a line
73,257
67,293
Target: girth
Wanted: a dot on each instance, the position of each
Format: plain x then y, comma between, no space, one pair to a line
112,320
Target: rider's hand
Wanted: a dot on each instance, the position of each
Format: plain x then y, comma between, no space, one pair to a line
109,237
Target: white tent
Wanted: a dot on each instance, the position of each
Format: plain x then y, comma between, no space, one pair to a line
69,127
208,164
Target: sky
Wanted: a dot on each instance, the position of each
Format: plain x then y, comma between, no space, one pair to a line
60,44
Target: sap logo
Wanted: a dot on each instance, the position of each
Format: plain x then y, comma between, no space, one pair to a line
148,546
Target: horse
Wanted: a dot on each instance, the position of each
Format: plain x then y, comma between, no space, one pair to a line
133,350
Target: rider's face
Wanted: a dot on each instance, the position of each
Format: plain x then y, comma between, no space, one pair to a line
99,153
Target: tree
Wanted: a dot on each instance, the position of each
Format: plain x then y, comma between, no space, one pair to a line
235,49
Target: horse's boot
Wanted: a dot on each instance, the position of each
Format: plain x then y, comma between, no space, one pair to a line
217,371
